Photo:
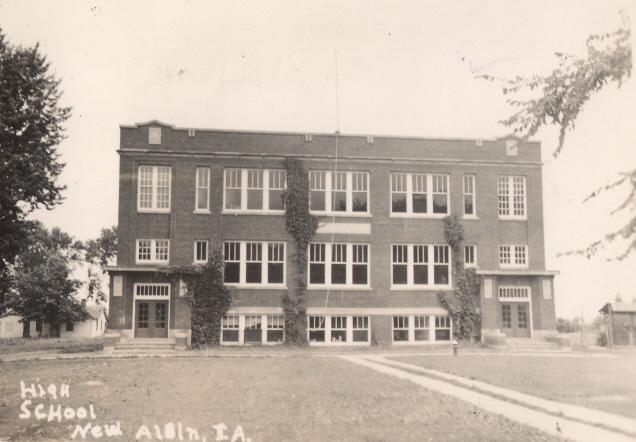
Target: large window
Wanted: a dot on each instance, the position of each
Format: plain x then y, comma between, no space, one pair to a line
515,256
230,329
338,265
202,191
470,209
251,263
421,328
442,328
253,190
338,330
420,265
336,192
419,194
252,329
153,251
511,191
153,189
275,329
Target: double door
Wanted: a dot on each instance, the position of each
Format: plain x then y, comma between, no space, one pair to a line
151,319
515,319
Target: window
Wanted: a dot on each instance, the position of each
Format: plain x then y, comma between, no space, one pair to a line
338,329
420,327
522,316
514,293
275,329
153,189
152,251
316,329
253,190
339,265
250,263
201,251
469,196
511,192
155,290
400,328
413,268
360,328
230,329
419,194
470,256
515,256
252,333
202,191
442,328
333,192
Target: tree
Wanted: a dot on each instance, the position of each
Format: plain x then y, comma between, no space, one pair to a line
559,97
42,287
100,253
31,121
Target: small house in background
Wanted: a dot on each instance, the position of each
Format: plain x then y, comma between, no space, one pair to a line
93,327
11,326
619,320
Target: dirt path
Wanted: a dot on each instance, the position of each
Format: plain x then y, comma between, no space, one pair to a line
555,418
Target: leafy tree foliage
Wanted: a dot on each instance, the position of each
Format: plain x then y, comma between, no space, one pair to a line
31,121
558,99
42,287
99,253
207,297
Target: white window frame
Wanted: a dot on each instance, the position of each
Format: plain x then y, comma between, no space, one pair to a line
349,285
410,269
199,187
506,197
207,251
429,192
348,328
155,189
469,183
153,252
264,262
470,265
431,329
512,250
244,187
349,179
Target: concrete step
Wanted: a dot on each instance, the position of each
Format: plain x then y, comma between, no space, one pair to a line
145,345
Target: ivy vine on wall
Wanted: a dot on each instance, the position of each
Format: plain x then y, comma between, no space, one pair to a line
302,225
207,297
463,304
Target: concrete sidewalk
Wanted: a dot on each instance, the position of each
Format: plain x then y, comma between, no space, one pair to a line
556,418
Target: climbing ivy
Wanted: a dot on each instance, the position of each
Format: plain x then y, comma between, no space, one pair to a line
463,304
207,297
302,225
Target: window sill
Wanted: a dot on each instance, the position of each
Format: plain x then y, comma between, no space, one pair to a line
470,217
513,267
141,263
427,342
342,214
338,344
152,210
513,218
201,212
252,212
256,286
364,288
411,288
418,216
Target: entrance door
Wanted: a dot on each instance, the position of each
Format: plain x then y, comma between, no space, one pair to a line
515,319
151,319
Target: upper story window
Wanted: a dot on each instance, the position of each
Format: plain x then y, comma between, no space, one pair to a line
153,189
202,191
420,266
153,251
511,191
253,190
338,265
419,194
513,256
335,192
470,256
250,263
470,209
200,252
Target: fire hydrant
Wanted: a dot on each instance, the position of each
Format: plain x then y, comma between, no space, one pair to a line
455,347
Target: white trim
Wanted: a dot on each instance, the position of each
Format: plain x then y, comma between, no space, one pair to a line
430,265
509,216
207,251
265,210
348,342
527,300
349,285
349,212
154,189
150,298
411,328
474,264
153,252
513,260
465,194
243,284
205,209
429,214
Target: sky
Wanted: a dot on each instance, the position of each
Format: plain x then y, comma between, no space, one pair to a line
408,69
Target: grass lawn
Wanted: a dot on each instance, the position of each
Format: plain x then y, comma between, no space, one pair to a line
19,345
306,398
607,384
